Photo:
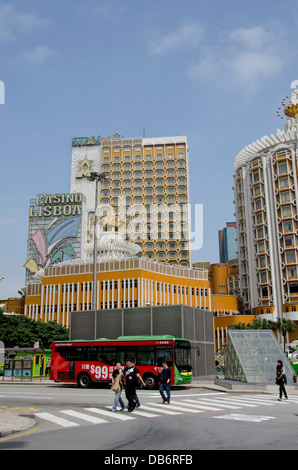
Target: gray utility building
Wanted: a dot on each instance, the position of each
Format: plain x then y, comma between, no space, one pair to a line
180,321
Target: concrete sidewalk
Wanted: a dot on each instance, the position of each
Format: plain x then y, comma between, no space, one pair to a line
11,422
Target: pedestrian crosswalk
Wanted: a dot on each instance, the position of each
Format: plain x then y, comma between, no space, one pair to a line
216,403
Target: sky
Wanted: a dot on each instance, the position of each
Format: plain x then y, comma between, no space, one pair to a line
214,71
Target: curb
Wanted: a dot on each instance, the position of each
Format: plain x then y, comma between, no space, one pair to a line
14,423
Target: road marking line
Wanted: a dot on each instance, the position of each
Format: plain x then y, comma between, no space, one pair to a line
56,419
18,434
256,401
90,419
176,408
250,418
118,415
202,405
207,400
239,402
137,411
29,398
161,410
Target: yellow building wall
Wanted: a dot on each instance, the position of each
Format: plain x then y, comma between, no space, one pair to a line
225,303
116,289
221,323
219,275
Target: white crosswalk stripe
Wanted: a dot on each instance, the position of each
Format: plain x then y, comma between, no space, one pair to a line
118,415
177,408
257,401
198,405
201,404
65,423
239,401
163,410
83,416
214,402
145,414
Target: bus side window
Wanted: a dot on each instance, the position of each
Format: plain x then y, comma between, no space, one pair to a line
145,355
164,353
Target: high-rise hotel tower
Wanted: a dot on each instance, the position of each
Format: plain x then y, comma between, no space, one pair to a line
266,199
147,190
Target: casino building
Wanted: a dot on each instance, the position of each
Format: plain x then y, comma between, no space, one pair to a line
142,237
147,190
143,255
266,198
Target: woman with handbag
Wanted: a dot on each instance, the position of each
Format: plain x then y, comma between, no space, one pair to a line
117,388
281,380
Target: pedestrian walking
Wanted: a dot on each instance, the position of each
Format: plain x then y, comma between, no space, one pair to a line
281,380
48,367
138,404
165,383
131,383
117,386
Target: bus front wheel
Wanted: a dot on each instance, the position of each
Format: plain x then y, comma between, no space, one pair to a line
150,381
84,381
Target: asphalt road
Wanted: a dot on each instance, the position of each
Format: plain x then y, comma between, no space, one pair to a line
68,418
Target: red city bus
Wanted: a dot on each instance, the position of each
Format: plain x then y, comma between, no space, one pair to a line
86,362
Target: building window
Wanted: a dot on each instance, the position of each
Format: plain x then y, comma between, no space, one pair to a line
285,196
284,182
256,176
292,271
288,226
265,292
258,204
259,218
261,246
291,256
262,261
282,168
286,211
289,241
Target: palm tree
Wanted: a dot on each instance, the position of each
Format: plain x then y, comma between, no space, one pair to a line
263,324
285,326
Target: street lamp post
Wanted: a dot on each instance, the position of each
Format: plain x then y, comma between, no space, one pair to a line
94,176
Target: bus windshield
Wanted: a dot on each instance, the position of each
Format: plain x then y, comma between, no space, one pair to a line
182,355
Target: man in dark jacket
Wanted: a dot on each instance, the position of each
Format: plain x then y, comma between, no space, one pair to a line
165,383
131,383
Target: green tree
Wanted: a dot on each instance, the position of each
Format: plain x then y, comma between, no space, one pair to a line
263,324
239,326
285,326
282,325
23,332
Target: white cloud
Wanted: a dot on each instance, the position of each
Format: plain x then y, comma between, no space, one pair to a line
243,57
37,56
13,21
251,67
189,34
252,38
